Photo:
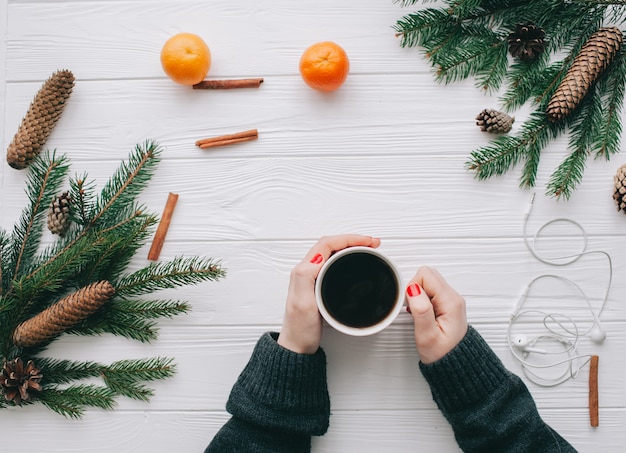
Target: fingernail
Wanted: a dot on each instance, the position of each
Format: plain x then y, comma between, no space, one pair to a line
408,309
413,290
317,259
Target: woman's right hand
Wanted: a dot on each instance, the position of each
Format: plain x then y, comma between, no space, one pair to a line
438,313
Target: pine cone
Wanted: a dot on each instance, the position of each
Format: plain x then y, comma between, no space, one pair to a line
59,214
63,315
527,42
594,57
42,115
17,383
491,120
619,195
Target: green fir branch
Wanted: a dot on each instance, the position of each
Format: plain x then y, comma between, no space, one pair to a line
524,80
425,28
126,377
493,75
506,151
461,9
65,371
568,174
163,275
532,153
72,401
113,200
468,38
126,238
83,196
46,281
46,174
125,185
476,56
132,319
152,309
109,229
607,140
131,326
584,129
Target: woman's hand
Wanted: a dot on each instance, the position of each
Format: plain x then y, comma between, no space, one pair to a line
302,324
438,313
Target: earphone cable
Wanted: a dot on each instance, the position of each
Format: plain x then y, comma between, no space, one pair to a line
570,336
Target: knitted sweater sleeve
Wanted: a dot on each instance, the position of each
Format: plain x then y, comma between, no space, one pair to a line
278,402
489,408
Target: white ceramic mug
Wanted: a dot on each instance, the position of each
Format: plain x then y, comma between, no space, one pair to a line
359,291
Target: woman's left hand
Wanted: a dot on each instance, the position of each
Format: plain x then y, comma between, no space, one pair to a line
302,324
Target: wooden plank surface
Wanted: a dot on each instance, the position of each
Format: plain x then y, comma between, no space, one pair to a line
385,155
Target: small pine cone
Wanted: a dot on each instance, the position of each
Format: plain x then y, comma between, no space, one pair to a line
42,115
63,315
18,382
59,214
619,195
527,41
491,120
593,58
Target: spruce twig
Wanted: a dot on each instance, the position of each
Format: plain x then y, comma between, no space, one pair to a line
164,275
126,376
466,38
72,401
607,140
109,228
43,183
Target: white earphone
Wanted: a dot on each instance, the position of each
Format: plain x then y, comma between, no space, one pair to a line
522,343
597,333
560,328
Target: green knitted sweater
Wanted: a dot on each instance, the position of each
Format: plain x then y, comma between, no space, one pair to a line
281,399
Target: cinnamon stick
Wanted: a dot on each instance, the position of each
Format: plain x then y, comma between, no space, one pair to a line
228,139
164,224
593,392
228,84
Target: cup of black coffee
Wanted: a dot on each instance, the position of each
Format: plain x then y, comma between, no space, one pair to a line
359,291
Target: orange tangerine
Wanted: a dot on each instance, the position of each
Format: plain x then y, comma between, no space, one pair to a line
324,66
186,58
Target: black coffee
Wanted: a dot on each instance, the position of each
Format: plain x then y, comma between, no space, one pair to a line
359,290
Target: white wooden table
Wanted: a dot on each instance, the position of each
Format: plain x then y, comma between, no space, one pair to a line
383,156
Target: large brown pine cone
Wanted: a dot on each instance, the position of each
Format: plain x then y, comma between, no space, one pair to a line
593,58
63,315
42,115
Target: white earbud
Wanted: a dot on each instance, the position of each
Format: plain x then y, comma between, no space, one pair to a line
522,343
597,334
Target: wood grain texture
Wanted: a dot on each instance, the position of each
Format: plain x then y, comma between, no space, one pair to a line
350,432
384,155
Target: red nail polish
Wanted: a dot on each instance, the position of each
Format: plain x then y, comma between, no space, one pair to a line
408,309
413,290
317,259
